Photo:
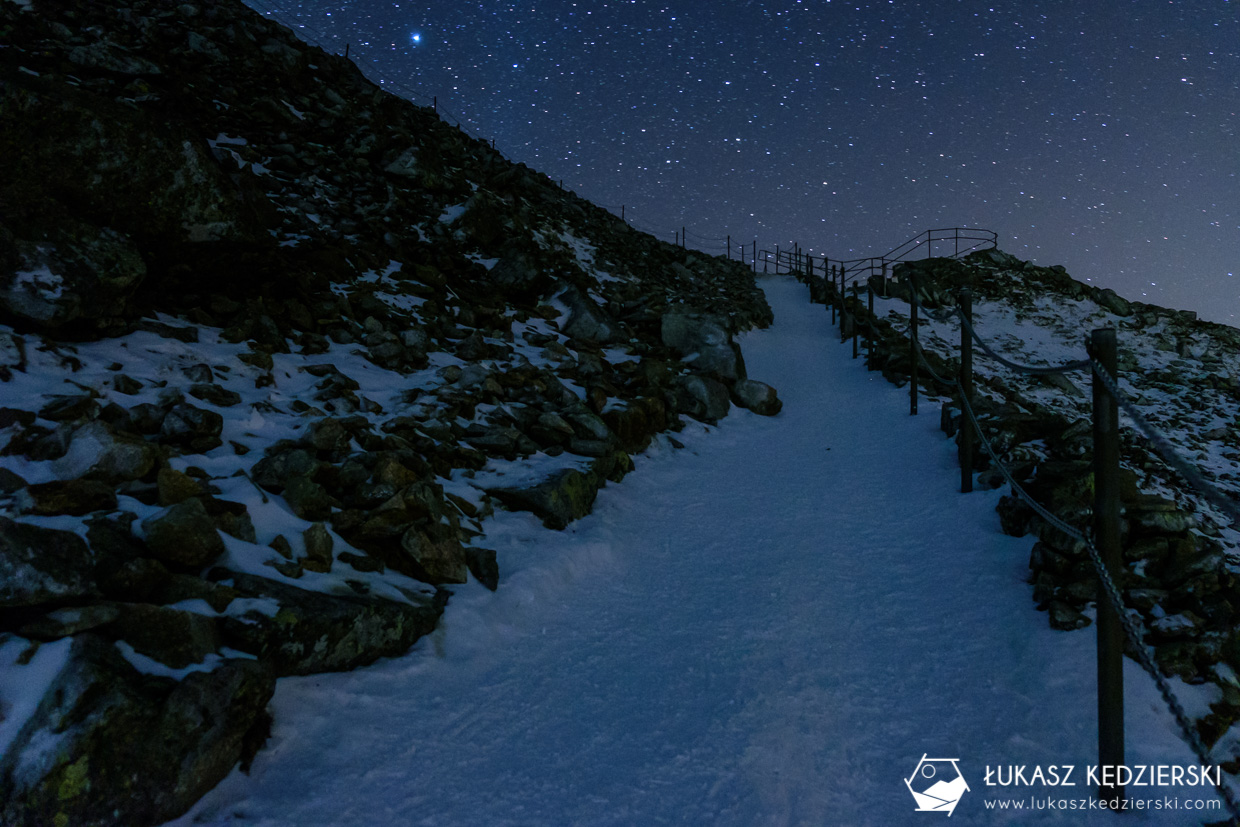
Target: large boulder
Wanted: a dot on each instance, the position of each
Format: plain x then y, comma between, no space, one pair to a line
108,745
517,276
586,320
703,398
183,534
704,342
315,632
98,450
756,396
557,500
438,560
43,566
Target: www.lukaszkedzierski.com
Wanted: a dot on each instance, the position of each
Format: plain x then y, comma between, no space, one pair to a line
1035,802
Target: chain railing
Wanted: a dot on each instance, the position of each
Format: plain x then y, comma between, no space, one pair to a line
1125,625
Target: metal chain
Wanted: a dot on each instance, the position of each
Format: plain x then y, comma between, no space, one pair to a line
1080,364
1131,626
921,355
1165,448
1130,623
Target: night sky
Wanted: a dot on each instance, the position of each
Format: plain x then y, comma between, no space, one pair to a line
1096,135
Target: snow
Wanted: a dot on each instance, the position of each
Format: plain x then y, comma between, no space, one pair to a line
452,213
149,666
772,625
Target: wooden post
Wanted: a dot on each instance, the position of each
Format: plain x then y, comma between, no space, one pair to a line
966,393
843,306
622,212
830,278
777,259
856,305
346,51
1106,533
729,248
869,333
912,353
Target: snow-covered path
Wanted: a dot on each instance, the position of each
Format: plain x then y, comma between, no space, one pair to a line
768,627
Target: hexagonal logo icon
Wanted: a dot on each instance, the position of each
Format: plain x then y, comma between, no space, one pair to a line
936,785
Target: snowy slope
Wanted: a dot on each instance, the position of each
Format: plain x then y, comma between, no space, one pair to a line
769,627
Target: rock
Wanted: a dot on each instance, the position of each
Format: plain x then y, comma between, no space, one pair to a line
431,561
74,497
703,398
183,534
1015,516
126,384
705,344
174,638
1065,618
175,487
60,623
70,408
308,499
100,451
111,746
328,434
213,393
231,518
586,320
10,483
194,428
318,544
189,335
315,632
12,354
558,500
758,397
178,587
1177,626
634,424
16,416
282,546
122,569
361,562
276,470
517,278
483,566
80,273
1109,300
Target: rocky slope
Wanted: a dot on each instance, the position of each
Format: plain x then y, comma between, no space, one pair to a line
273,344
1182,555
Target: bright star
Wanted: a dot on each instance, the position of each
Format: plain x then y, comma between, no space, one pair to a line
416,38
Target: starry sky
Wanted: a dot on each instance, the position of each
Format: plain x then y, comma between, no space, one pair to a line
1096,135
